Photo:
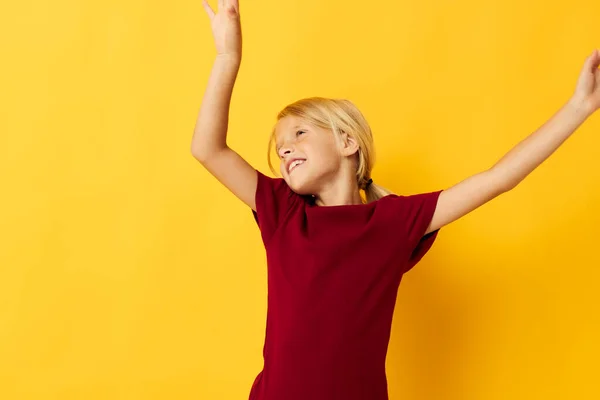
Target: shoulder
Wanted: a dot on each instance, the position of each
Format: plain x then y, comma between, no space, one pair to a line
411,202
274,201
412,213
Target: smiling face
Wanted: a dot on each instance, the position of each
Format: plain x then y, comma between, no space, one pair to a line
315,149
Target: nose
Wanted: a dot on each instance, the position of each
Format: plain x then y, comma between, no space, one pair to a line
285,149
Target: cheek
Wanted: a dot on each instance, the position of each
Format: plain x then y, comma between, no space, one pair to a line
328,155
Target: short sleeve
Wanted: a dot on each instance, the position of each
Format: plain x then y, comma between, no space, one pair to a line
417,213
273,200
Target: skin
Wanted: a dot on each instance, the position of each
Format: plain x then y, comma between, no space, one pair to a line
329,172
330,175
527,155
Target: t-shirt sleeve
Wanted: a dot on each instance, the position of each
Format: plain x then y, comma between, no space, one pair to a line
418,210
273,200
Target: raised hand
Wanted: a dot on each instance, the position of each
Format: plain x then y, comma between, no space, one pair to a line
588,85
226,28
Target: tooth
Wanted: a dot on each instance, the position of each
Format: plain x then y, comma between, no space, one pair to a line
297,162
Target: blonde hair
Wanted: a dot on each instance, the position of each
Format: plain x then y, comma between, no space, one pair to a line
339,116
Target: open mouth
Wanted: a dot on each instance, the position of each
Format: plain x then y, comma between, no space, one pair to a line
295,165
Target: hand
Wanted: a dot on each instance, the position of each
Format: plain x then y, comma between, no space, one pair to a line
587,92
226,28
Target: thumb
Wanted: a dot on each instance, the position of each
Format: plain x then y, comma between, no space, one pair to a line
209,11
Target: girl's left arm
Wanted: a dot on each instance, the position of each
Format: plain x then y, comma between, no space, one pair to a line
522,159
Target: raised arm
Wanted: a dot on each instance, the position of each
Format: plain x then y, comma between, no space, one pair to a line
527,155
209,142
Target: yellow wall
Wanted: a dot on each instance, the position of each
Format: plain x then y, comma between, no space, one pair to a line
128,272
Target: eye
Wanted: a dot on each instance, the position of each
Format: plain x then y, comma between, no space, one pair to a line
277,149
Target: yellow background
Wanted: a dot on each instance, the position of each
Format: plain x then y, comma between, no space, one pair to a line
128,272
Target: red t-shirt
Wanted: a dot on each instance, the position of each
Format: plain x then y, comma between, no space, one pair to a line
333,276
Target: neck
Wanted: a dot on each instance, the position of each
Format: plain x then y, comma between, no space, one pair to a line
338,198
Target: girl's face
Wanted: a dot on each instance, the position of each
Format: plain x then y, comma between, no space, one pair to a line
315,148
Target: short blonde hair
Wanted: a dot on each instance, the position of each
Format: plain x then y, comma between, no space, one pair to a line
338,115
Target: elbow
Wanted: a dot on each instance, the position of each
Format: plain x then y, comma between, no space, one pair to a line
503,181
202,154
199,151
509,186
195,153
199,155
206,142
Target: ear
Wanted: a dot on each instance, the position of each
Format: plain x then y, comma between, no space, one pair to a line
349,145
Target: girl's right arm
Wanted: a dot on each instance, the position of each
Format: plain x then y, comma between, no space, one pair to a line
209,142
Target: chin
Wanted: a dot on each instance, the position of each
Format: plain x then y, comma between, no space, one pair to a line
298,188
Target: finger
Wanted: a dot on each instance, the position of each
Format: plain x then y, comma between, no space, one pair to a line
592,61
221,5
209,10
595,60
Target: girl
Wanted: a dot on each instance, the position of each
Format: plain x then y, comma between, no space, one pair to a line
334,260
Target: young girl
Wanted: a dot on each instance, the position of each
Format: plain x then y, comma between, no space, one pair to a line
334,260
